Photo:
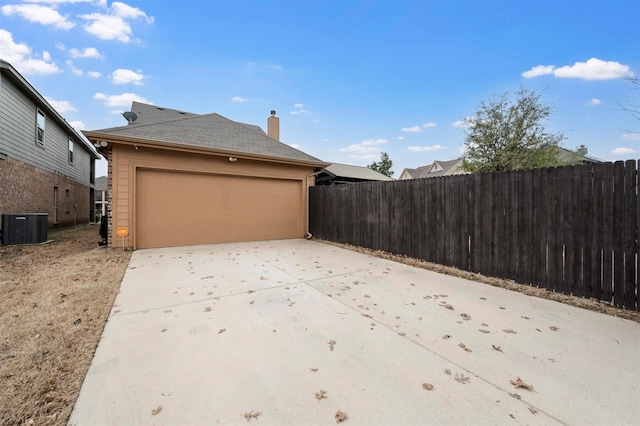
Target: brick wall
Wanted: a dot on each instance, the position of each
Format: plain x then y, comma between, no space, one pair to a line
109,157
27,189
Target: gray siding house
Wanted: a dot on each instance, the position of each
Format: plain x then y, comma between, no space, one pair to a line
45,165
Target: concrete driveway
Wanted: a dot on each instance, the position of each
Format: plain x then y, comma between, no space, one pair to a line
209,334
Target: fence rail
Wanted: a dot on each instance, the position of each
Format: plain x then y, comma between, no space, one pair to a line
572,230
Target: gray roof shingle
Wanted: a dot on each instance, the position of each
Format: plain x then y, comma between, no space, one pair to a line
208,130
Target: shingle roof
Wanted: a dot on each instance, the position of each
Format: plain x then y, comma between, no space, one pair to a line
149,114
101,183
208,130
355,172
435,169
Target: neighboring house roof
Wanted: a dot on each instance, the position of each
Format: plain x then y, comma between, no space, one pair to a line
435,169
8,70
350,173
101,183
577,156
209,131
453,167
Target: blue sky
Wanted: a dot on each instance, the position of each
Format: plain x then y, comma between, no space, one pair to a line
348,79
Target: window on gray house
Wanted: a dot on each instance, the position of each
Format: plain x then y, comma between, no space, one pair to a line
70,151
67,200
40,128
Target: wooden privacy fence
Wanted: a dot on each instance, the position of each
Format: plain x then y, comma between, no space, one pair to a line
572,230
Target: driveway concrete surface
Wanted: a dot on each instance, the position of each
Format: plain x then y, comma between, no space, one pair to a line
291,332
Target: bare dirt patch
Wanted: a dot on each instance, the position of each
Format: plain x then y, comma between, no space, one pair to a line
579,302
54,302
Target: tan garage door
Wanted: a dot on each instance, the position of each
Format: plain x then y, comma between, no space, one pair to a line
177,209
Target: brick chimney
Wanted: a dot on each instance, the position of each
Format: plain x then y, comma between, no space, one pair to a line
273,126
582,150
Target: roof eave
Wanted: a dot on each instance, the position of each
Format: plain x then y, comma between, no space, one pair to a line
131,140
34,94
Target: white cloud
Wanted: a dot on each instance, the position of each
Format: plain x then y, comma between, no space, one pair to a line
631,136
252,68
125,11
418,129
78,125
400,138
21,57
538,71
113,25
365,147
623,151
295,145
88,52
74,70
239,99
122,100
595,101
437,147
39,14
299,109
61,106
94,74
592,69
467,122
99,2
124,76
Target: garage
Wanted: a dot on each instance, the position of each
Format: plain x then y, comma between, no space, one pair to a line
180,208
176,178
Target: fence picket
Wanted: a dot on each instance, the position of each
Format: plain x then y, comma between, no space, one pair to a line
572,230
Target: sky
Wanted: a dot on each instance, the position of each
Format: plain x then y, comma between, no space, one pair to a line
348,79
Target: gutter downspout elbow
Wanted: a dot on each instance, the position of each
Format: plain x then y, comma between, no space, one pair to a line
306,181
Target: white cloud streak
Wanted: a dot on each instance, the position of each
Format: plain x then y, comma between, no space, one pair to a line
38,14
22,58
299,110
61,106
365,147
467,122
431,148
418,129
239,99
88,52
78,125
122,100
124,76
113,25
592,69
623,151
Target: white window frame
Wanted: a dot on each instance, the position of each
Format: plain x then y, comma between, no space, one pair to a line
70,151
40,129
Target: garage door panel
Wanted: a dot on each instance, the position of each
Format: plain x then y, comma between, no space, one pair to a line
175,208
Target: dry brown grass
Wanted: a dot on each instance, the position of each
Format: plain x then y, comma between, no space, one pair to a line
55,300
590,304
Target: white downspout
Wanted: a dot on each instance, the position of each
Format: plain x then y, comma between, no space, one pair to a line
306,181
